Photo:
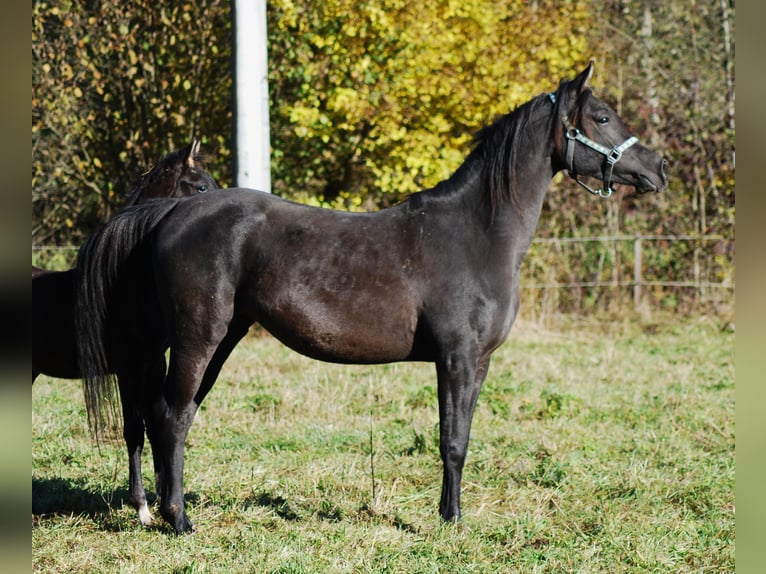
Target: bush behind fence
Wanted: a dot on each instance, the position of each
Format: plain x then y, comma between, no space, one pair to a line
580,274
681,272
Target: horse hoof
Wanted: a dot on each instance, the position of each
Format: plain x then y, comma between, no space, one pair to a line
450,516
176,517
187,528
184,526
144,516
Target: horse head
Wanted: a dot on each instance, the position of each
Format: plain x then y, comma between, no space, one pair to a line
180,173
593,141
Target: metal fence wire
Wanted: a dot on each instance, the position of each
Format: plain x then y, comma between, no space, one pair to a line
664,270
578,273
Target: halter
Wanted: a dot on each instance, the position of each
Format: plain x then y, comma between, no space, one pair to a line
612,156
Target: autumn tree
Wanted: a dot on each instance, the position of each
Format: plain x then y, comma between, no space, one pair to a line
116,85
374,100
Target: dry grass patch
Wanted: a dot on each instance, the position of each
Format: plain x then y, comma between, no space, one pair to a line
597,446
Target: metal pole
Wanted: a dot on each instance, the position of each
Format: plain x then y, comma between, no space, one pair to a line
252,166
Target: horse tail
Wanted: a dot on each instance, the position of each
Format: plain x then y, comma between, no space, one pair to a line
100,261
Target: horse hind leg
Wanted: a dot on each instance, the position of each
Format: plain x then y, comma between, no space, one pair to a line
133,431
236,331
177,416
197,328
173,414
153,384
172,418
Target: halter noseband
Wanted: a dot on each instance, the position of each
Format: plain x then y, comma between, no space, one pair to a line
612,156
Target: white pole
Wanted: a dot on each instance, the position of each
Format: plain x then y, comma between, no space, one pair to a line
252,167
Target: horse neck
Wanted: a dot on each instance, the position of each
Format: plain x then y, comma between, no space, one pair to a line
521,215
508,223
510,217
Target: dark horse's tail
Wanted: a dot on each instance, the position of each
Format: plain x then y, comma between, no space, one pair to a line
100,261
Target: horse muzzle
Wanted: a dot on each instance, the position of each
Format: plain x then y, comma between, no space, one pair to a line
645,183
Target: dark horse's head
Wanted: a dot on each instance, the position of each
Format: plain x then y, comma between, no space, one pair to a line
593,141
178,174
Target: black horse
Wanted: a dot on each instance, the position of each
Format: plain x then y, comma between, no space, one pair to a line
54,351
435,278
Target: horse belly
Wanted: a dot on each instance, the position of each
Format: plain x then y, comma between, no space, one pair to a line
344,330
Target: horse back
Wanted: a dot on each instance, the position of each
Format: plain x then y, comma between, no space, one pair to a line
332,285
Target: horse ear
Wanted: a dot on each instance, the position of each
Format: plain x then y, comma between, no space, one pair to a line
580,83
193,151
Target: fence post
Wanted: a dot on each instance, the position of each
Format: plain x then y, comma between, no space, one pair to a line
699,291
637,271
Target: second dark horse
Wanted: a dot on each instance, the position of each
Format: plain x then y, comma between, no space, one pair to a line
54,351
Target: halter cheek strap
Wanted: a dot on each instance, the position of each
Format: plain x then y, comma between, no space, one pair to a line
611,156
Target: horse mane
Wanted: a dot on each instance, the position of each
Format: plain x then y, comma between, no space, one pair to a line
497,145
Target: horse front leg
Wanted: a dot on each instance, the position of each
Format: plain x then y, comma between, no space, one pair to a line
459,383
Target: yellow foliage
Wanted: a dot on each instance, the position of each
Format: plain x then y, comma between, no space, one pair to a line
390,92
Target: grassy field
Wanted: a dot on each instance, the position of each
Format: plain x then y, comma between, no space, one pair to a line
597,446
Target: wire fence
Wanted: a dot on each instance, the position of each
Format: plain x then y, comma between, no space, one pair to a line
670,271
582,273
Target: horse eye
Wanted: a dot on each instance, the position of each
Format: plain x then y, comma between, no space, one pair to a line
603,120
202,189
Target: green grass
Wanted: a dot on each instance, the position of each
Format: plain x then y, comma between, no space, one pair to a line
597,446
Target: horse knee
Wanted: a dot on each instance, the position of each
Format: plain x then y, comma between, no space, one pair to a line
453,454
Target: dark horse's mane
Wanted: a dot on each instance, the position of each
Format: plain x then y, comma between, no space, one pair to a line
495,147
144,179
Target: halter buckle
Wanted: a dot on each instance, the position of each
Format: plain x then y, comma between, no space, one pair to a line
613,156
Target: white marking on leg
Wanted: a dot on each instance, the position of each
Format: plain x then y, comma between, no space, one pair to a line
144,515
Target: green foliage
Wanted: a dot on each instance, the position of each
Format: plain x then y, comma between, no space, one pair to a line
54,258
